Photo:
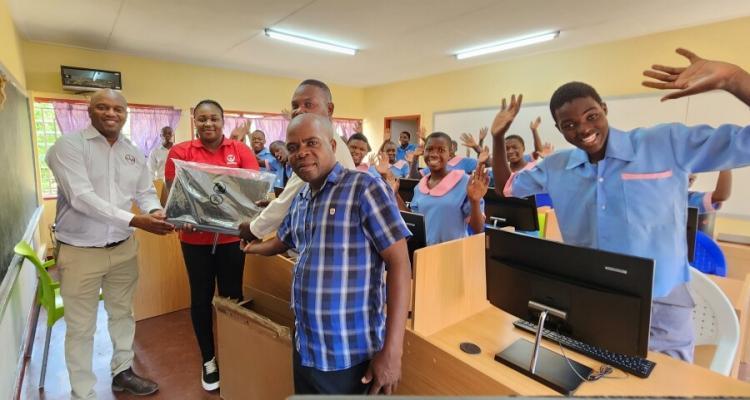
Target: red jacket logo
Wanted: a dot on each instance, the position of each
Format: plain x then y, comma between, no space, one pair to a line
231,159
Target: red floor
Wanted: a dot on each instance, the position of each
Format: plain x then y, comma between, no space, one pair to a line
165,351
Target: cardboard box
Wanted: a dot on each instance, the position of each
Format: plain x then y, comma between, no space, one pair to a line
255,347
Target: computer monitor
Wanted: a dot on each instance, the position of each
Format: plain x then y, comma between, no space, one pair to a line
692,230
605,297
406,188
520,213
418,239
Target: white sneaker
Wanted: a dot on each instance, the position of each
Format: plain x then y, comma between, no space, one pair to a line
210,375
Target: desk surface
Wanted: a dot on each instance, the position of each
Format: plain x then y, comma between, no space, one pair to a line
492,331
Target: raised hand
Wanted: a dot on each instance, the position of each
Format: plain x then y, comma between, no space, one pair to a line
484,155
422,135
409,157
478,184
240,132
547,150
506,115
483,134
534,125
419,151
468,140
382,165
358,127
700,76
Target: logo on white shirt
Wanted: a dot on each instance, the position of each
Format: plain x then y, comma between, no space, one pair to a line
231,159
130,158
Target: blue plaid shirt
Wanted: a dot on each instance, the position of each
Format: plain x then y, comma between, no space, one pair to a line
338,289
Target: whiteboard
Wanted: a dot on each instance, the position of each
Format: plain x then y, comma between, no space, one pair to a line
624,113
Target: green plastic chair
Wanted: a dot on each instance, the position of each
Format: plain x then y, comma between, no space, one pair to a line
48,296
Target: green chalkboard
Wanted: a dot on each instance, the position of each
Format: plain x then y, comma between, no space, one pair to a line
18,197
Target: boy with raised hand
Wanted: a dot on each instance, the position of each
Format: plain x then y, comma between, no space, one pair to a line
626,192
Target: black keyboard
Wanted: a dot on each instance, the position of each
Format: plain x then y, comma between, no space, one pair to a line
637,366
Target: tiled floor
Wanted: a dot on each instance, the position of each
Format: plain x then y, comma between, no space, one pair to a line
165,351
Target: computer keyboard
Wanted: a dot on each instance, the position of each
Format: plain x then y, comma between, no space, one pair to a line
637,366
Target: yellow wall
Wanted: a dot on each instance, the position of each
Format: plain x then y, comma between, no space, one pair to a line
151,81
10,49
613,68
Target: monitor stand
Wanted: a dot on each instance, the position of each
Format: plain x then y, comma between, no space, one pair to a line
541,364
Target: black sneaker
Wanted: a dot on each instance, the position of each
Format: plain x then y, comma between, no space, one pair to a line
210,377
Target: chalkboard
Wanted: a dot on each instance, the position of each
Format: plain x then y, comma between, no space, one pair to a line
18,196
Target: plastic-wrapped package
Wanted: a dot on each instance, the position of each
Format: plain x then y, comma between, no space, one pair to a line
215,199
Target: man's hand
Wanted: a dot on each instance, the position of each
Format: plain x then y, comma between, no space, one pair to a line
153,223
700,76
505,116
384,372
245,233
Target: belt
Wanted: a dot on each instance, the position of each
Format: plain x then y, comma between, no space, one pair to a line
106,246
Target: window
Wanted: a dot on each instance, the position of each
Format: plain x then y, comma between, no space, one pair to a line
48,131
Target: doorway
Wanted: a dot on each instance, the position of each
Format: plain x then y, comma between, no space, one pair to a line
403,123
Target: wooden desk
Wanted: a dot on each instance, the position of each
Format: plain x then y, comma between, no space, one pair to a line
492,331
450,307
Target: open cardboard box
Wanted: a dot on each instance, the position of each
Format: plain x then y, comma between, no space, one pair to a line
255,346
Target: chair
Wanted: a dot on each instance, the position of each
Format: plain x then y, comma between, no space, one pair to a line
715,321
48,296
709,258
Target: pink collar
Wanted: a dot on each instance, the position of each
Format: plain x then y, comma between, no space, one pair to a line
363,167
455,160
445,185
399,164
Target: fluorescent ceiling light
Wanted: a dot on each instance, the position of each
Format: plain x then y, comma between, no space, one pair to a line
507,45
310,42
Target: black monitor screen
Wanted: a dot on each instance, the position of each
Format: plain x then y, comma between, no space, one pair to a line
406,188
418,239
90,78
607,296
519,213
692,229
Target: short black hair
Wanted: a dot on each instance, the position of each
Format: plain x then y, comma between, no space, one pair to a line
277,143
166,127
520,139
213,103
261,132
569,92
359,136
407,134
319,84
439,135
387,141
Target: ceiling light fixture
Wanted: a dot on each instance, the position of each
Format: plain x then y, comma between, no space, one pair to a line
507,45
309,42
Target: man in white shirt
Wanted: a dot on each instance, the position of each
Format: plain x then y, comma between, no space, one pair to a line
311,96
158,156
99,174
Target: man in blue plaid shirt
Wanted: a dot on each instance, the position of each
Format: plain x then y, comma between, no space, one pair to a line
348,230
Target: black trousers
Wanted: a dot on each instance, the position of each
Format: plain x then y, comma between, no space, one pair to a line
308,380
205,272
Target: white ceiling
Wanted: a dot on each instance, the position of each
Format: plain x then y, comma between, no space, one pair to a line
399,39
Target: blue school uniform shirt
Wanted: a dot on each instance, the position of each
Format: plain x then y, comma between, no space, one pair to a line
702,201
265,160
338,285
282,174
401,152
466,164
446,207
400,169
634,201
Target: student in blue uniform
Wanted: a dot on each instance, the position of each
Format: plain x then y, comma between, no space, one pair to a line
258,144
708,202
626,192
451,201
399,168
359,147
280,165
405,147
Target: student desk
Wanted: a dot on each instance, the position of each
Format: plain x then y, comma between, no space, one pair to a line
449,307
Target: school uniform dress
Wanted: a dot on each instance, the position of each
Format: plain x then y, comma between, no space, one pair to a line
338,285
265,160
446,207
466,164
283,173
401,152
223,267
634,202
400,169
702,201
